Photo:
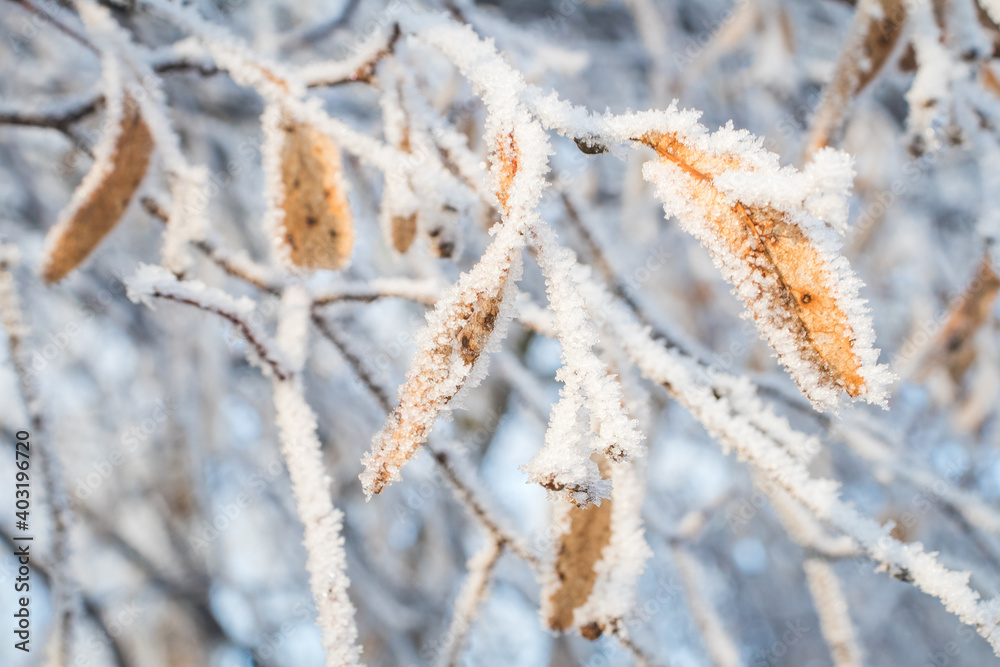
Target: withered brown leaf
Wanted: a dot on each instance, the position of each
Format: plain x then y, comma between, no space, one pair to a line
438,373
92,216
317,226
799,298
579,551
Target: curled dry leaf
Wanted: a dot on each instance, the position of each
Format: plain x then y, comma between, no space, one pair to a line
580,547
400,203
101,200
453,344
317,227
791,285
877,27
601,554
403,231
460,329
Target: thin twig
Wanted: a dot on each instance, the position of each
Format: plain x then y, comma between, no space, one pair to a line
462,490
260,347
211,250
62,27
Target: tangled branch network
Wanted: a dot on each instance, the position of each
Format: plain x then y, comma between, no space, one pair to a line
448,224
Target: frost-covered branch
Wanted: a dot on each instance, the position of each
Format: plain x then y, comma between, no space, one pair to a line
154,282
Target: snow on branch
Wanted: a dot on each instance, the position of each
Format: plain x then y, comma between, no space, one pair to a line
323,523
908,562
564,463
426,292
874,33
121,158
469,319
65,589
155,282
277,84
144,94
470,600
719,644
764,227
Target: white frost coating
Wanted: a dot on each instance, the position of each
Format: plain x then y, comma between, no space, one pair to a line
623,559
276,84
520,150
293,325
501,262
187,183
231,54
348,68
935,68
818,194
741,393
586,385
757,292
969,505
719,644
535,317
187,222
563,463
822,188
426,291
274,189
805,530
820,496
398,197
445,198
150,280
992,8
508,121
834,616
326,560
104,150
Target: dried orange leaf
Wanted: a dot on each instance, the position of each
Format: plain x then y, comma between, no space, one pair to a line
801,294
449,347
101,200
316,228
